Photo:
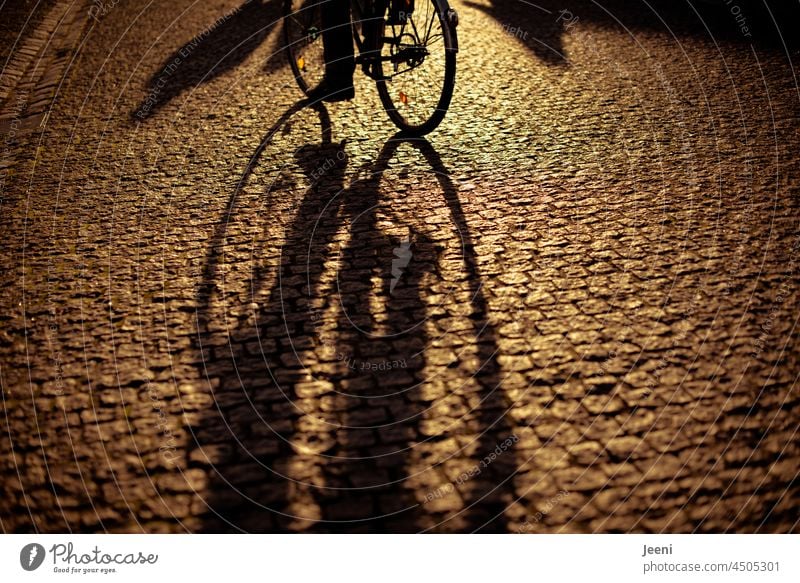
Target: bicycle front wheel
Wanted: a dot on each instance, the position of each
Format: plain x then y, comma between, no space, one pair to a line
417,69
302,29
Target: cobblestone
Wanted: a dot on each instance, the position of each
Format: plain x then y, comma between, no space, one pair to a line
199,330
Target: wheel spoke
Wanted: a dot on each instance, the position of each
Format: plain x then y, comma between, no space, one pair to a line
430,26
419,88
302,36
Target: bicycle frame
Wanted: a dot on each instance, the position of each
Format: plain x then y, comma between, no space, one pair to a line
388,44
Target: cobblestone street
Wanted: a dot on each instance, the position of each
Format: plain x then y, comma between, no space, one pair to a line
573,308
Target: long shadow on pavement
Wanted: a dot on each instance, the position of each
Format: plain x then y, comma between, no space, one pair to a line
223,45
543,25
319,399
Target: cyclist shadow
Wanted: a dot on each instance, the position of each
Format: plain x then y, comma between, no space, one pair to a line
318,427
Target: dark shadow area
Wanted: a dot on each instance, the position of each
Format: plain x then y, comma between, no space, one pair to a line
317,399
18,20
542,25
223,45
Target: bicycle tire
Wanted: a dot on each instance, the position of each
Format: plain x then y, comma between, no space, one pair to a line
396,114
304,78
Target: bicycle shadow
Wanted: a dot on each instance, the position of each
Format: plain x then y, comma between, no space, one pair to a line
320,399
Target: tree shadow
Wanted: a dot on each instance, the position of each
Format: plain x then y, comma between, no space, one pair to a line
223,45
319,397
